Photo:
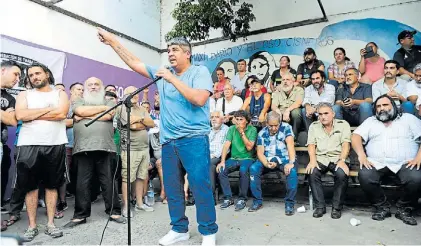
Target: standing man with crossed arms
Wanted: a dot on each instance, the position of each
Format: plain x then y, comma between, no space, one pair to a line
184,92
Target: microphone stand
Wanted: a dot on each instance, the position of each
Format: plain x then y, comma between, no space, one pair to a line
128,103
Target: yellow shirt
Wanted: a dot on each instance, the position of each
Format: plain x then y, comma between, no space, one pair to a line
329,145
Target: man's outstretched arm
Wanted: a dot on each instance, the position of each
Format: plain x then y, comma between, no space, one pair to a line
131,60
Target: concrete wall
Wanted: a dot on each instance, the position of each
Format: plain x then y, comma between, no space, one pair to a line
351,25
34,23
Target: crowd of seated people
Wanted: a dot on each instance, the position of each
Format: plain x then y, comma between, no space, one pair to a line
379,94
252,131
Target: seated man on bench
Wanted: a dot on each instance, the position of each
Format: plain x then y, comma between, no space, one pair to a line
328,147
275,151
392,147
241,138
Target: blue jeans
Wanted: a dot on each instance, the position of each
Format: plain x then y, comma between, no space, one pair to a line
408,107
231,166
256,171
192,154
354,117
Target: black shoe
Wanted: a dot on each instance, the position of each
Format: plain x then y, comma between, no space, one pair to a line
240,205
405,214
381,214
336,213
319,212
69,195
289,210
190,201
227,203
72,224
62,206
255,207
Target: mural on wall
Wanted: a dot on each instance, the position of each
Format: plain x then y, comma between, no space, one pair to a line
263,56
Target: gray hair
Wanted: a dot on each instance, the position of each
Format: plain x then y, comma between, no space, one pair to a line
182,42
219,112
324,105
417,67
272,115
354,69
290,74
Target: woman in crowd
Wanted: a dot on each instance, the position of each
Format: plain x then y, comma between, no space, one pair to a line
337,69
284,68
371,64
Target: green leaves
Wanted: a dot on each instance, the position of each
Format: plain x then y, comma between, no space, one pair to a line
195,18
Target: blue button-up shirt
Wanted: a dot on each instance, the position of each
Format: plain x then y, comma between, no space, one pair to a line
275,146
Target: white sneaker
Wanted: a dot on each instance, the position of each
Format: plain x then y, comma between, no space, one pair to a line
145,208
209,240
173,237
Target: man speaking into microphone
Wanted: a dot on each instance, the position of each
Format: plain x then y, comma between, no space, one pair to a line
184,91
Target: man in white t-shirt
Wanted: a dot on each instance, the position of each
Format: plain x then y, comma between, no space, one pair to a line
392,147
229,104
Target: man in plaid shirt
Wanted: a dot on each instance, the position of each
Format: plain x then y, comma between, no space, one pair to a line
275,152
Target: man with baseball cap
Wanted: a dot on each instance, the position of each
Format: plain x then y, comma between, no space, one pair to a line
408,55
310,65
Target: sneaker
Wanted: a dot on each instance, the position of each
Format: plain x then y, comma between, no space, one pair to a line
381,214
69,195
241,204
227,203
30,234
289,209
209,240
24,207
124,213
173,237
4,210
62,206
145,208
41,203
255,207
53,231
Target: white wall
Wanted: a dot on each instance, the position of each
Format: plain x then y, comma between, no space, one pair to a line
139,19
34,23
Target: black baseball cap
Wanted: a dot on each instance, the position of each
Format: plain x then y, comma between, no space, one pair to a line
309,51
405,34
254,79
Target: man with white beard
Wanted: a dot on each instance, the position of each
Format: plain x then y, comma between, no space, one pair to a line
93,153
319,92
287,100
400,155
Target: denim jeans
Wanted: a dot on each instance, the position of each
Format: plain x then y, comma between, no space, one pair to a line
354,117
307,121
408,107
256,171
192,154
231,166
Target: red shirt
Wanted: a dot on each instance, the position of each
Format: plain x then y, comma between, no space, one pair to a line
264,90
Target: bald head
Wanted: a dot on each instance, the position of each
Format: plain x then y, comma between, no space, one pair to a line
131,89
94,92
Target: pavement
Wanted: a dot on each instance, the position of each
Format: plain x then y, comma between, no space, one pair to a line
268,226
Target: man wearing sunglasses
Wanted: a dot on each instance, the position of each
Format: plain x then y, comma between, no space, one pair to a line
408,55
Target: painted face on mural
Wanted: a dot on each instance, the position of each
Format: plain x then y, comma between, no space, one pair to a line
229,68
10,76
259,67
38,77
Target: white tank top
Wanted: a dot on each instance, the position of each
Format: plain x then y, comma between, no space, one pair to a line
42,132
